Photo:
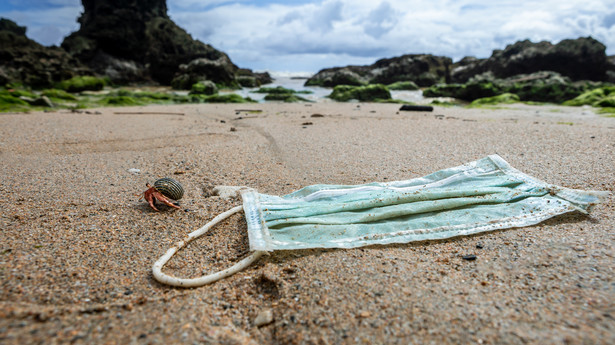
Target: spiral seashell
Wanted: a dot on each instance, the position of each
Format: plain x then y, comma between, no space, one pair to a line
169,188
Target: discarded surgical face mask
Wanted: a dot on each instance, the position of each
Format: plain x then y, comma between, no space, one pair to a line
484,195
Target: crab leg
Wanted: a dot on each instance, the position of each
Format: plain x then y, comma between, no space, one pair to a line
164,199
149,197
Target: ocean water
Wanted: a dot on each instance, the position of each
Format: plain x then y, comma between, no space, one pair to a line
318,94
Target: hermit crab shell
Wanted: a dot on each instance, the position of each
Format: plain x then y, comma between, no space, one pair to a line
169,188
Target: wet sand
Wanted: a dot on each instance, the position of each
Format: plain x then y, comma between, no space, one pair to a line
77,245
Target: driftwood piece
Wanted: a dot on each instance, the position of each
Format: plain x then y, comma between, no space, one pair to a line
146,113
408,107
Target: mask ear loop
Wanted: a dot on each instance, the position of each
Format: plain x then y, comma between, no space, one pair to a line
207,279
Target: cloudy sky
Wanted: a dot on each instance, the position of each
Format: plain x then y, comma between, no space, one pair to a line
306,36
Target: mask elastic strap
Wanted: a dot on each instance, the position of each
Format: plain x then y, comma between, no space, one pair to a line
208,279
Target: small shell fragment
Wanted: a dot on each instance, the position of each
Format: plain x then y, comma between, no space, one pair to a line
263,318
170,188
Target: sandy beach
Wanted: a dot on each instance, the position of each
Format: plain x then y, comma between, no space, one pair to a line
77,245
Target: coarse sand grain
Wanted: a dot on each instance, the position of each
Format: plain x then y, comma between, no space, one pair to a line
77,245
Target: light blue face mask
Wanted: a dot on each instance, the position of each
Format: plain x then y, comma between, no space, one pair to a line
484,195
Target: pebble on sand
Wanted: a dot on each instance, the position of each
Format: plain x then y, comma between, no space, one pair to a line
263,318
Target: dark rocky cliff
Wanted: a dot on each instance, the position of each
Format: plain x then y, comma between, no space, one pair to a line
579,59
135,40
24,61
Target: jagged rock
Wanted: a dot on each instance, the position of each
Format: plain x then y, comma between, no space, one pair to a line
220,71
11,26
135,41
42,101
262,77
26,62
610,69
246,78
422,69
118,70
579,59
367,93
206,87
403,85
331,77
466,68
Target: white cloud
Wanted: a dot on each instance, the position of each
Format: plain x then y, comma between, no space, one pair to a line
380,20
310,35
48,26
325,32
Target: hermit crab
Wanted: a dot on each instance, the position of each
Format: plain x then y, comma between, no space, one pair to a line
163,189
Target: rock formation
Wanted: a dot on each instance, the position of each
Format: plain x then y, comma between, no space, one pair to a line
610,71
24,61
136,41
422,69
578,59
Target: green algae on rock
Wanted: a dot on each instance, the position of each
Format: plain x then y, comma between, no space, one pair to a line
227,98
206,87
467,92
58,94
285,97
403,85
505,98
599,97
368,93
82,83
11,103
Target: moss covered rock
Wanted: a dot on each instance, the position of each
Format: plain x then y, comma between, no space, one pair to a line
248,81
59,94
466,92
285,97
206,87
120,101
505,98
538,87
160,96
368,93
276,90
226,98
593,97
331,77
11,103
21,93
543,87
607,102
82,83
403,85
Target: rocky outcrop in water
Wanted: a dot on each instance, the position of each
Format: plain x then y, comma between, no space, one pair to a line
423,69
574,59
579,59
26,62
